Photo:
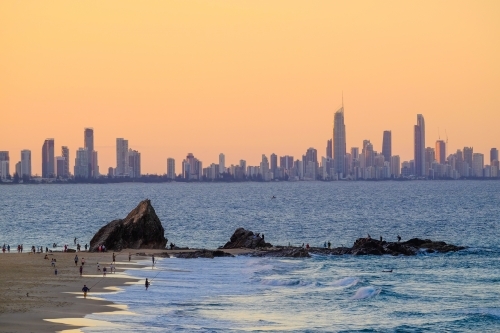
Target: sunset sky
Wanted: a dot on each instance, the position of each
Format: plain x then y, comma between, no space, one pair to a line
245,78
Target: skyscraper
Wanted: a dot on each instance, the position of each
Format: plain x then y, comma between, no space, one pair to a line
65,154
4,164
440,151
134,163
419,152
493,155
222,163
339,142
274,162
48,161
81,169
25,163
170,168
387,146
467,166
121,157
329,148
88,134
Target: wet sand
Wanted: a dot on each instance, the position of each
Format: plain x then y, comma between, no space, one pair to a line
34,299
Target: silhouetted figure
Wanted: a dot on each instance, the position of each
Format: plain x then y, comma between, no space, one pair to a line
399,238
147,284
380,238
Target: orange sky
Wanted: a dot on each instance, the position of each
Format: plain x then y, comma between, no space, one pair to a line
245,77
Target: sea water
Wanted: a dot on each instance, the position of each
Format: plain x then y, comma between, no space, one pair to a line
453,292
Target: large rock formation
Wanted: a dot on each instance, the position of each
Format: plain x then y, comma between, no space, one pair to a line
141,229
203,254
246,239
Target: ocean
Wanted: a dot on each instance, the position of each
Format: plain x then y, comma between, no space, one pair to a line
453,292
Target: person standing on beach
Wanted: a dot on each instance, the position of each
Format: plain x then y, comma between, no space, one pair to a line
114,257
147,284
76,260
81,270
83,261
129,256
85,289
153,258
104,269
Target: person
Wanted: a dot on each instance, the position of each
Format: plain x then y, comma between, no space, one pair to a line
262,236
8,248
399,238
85,289
153,258
307,246
324,245
53,262
86,247
46,249
46,257
55,271
112,268
381,238
74,240
147,284
104,270
129,256
98,267
329,244
83,261
81,270
114,257
369,237
76,260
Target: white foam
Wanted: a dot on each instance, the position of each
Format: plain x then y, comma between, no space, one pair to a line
366,292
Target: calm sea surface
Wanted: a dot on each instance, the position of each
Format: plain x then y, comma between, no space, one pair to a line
455,292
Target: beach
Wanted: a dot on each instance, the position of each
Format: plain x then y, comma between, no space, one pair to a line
34,299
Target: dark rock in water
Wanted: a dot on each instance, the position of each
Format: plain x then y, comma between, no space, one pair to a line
141,229
203,254
247,239
292,252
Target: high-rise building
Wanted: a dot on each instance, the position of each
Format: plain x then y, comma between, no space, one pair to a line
286,162
88,134
493,155
121,157
134,163
274,162
4,164
339,142
395,166
25,163
440,151
243,166
467,165
18,168
95,166
369,154
387,146
60,162
81,169
192,168
65,154
264,168
329,148
170,168
48,159
477,165
222,163
419,145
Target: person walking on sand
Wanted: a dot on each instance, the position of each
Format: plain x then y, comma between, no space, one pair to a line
83,261
114,257
81,270
76,260
147,284
104,270
85,290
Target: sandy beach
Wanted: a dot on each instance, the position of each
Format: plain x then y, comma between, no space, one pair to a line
34,299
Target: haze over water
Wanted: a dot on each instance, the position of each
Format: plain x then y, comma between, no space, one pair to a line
436,292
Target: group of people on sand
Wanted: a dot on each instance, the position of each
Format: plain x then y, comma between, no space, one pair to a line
5,248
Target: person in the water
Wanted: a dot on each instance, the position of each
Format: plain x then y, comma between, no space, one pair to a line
147,284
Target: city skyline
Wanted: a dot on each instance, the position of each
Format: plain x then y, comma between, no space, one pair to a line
244,77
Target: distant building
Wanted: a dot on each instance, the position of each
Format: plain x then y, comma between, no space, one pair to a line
25,163
122,161
493,155
387,146
222,163
264,169
467,164
48,159
419,146
192,168
339,142
243,166
134,163
81,169
440,151
430,156
65,154
170,168
477,164
274,163
18,169
60,163
329,149
395,166
89,145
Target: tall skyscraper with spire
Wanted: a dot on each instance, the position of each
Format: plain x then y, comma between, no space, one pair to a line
419,144
339,142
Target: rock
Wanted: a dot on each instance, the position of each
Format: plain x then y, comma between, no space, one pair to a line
203,254
247,239
141,229
292,252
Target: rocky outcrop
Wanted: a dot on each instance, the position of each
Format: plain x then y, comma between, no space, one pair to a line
369,246
141,229
246,239
287,252
203,254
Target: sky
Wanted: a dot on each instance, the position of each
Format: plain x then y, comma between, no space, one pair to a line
245,78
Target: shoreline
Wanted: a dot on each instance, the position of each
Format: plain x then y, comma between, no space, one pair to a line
34,299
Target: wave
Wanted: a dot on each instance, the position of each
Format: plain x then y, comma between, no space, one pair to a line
345,282
366,292
285,283
491,312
